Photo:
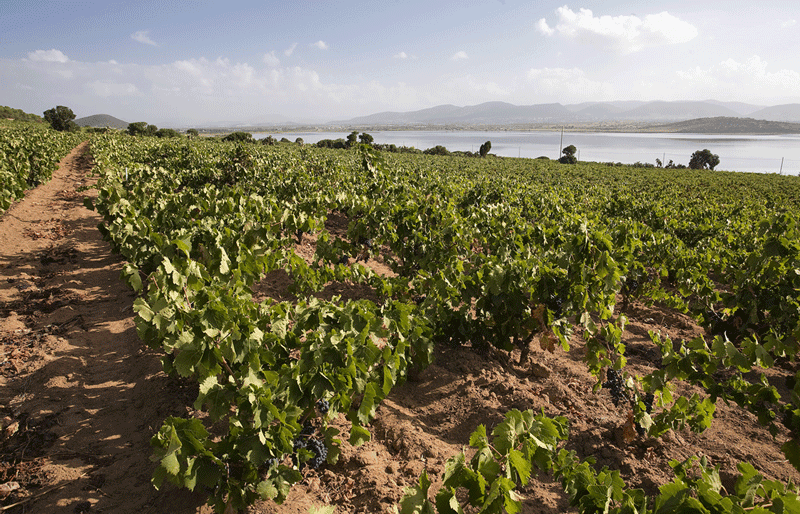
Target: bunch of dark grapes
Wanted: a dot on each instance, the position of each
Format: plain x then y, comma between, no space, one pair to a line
320,451
630,286
712,318
555,304
306,441
364,254
616,387
323,406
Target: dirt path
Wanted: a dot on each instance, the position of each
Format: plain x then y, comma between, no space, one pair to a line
79,395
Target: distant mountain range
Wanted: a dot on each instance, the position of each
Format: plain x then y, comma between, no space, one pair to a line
502,113
101,120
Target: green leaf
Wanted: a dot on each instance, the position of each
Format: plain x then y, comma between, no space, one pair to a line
359,435
326,509
266,490
478,438
416,499
791,449
521,465
170,464
187,359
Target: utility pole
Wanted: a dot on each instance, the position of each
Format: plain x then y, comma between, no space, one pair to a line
561,144
779,172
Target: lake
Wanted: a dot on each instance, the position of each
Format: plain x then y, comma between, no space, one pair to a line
761,154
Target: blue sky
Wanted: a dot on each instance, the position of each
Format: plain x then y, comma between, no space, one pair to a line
191,62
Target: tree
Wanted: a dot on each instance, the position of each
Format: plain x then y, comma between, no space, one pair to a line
352,139
138,128
703,159
366,138
484,149
299,141
60,118
569,155
192,133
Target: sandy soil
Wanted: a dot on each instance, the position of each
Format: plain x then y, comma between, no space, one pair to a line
80,396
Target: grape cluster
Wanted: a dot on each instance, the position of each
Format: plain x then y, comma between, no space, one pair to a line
368,244
630,286
616,387
712,318
306,441
556,304
648,402
323,406
320,451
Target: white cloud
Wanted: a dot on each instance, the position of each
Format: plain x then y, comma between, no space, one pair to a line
48,56
619,33
401,55
544,28
568,85
106,89
143,36
789,23
459,56
322,45
741,80
290,50
271,59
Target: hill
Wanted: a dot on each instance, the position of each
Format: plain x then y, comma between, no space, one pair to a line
102,120
785,112
676,111
727,125
17,114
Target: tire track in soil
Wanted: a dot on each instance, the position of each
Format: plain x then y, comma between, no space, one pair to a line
80,395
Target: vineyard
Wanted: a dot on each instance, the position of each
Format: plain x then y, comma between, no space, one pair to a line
28,157
298,291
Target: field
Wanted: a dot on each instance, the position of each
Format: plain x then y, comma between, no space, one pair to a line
393,304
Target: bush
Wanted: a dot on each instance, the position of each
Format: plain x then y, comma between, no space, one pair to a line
164,132
242,137
437,150
331,143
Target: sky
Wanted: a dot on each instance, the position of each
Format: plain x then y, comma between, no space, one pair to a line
187,63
